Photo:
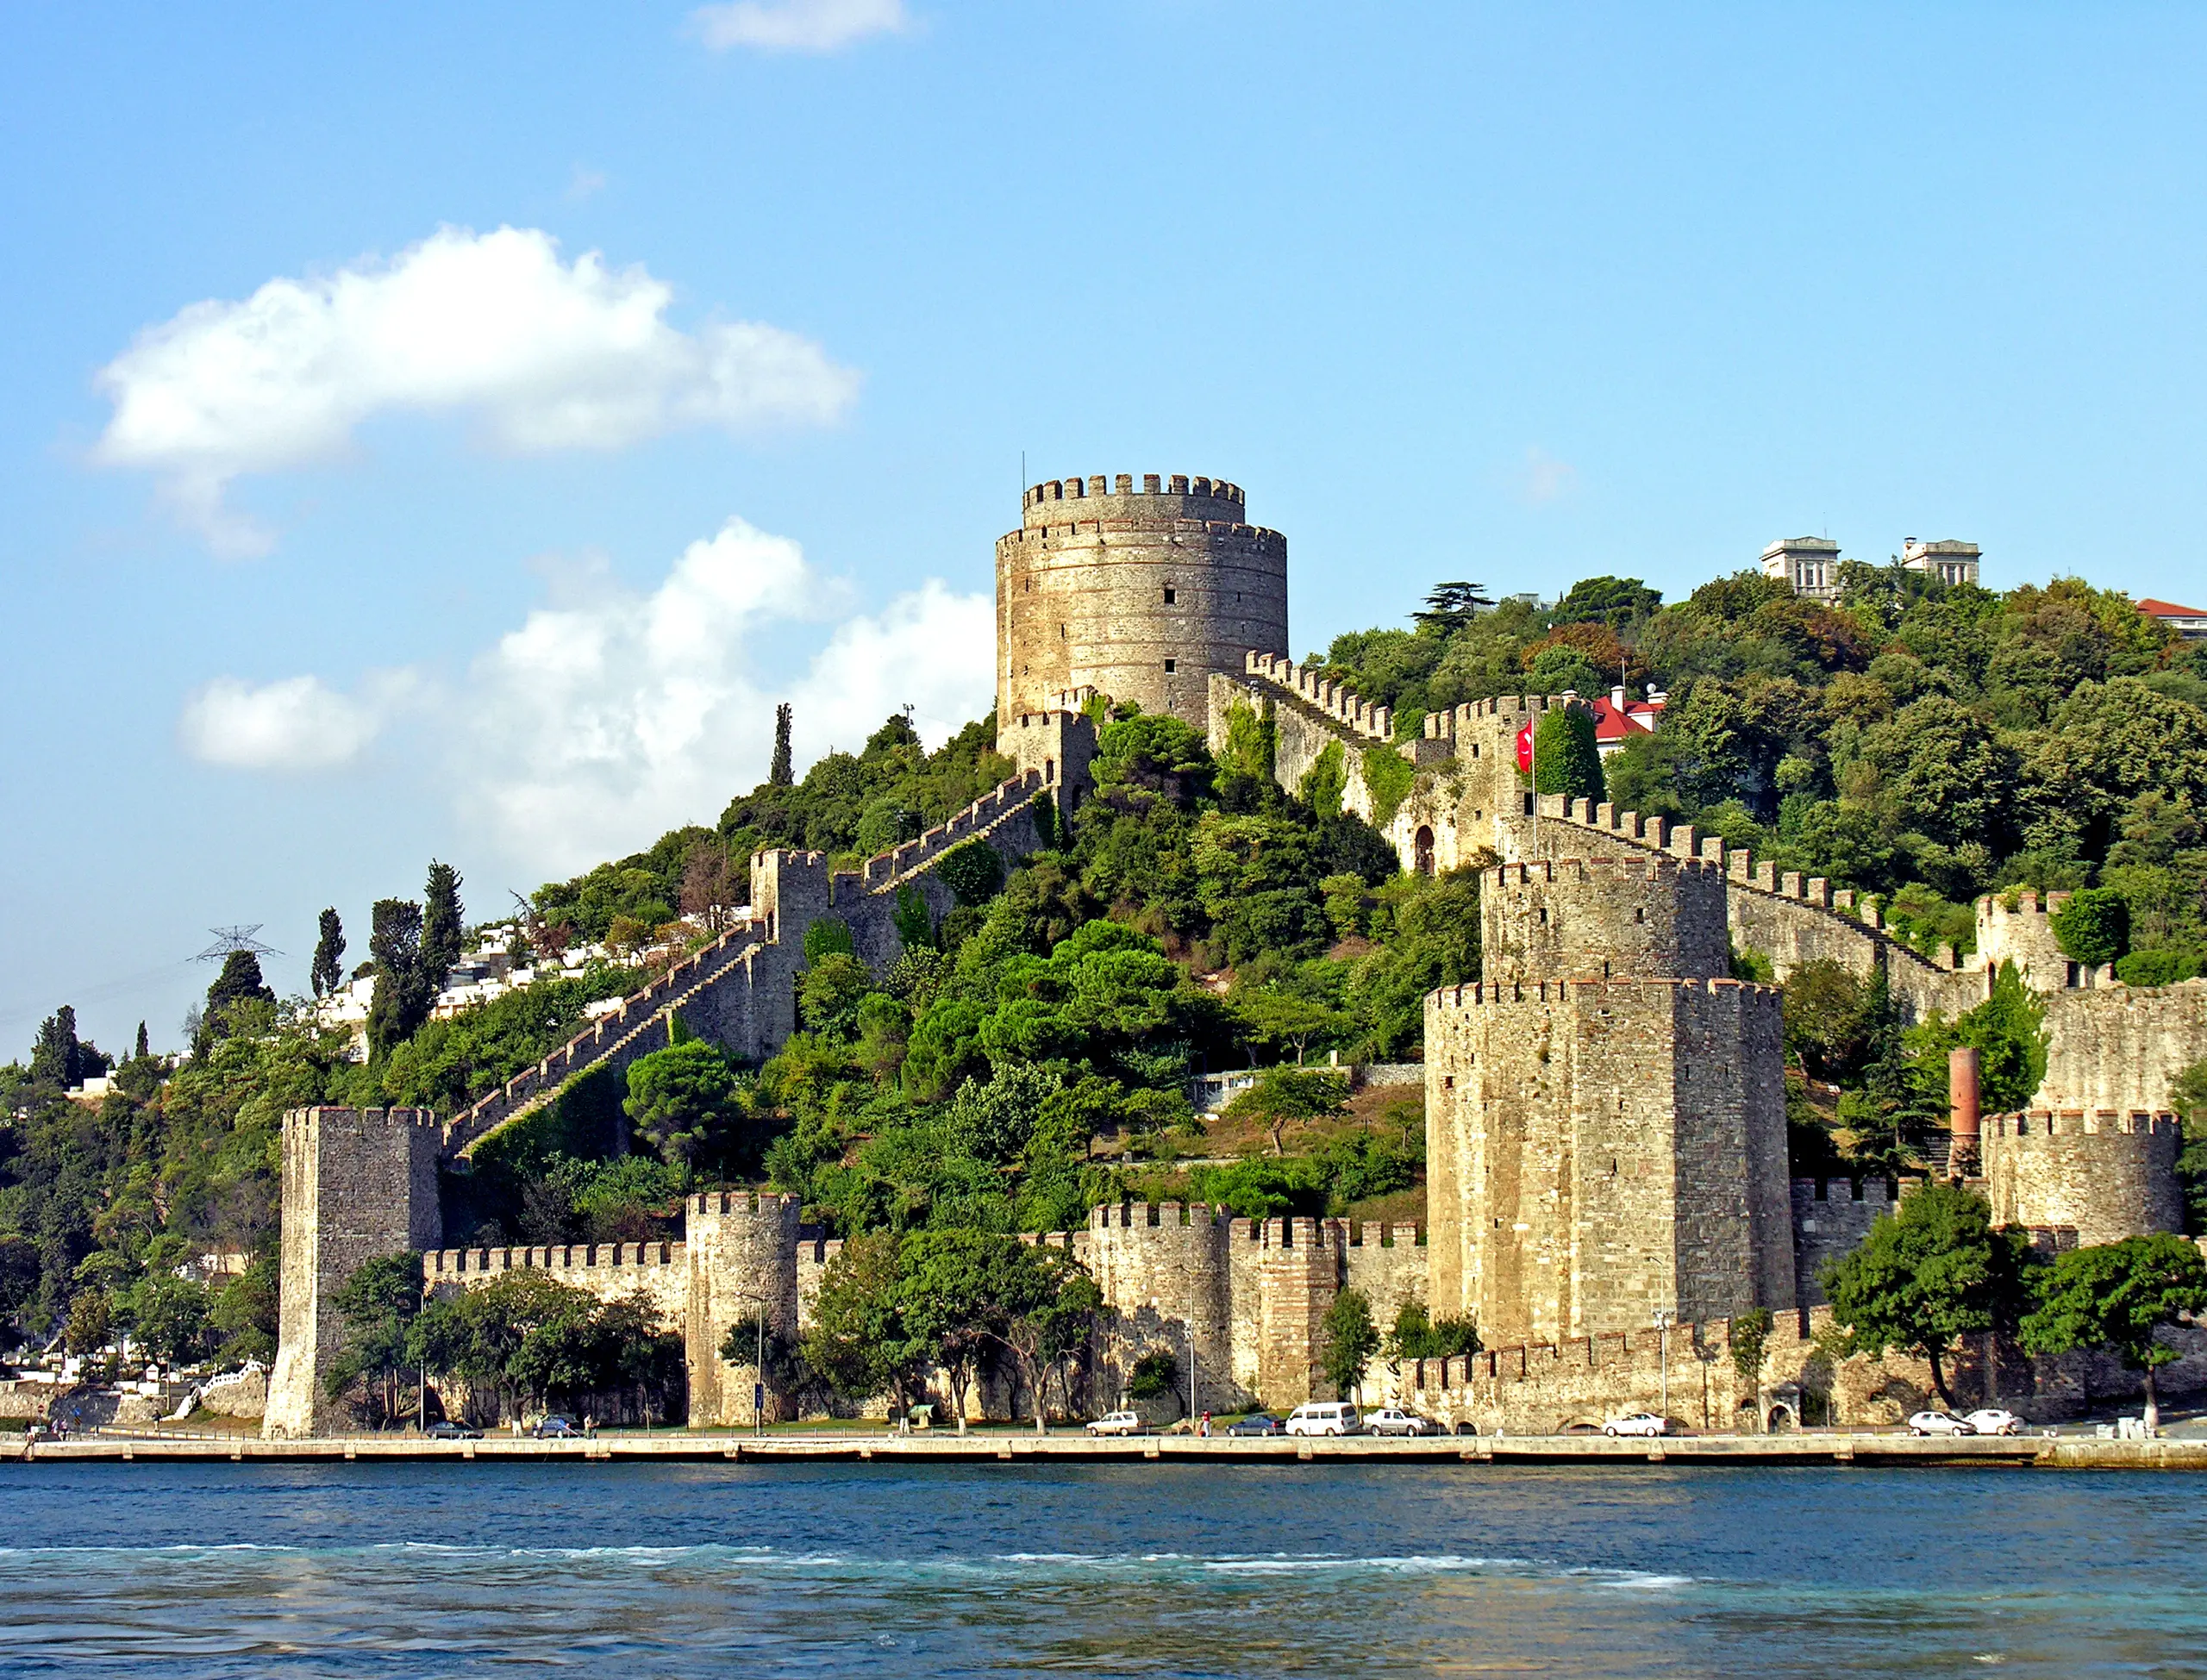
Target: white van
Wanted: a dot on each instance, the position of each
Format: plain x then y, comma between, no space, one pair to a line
1325,1417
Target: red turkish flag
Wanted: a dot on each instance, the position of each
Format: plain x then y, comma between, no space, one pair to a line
1525,749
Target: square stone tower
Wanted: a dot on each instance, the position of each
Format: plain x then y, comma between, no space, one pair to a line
358,1184
1606,1112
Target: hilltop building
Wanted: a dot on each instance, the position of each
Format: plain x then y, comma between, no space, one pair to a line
1810,566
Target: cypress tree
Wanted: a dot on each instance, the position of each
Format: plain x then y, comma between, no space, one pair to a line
782,773
329,970
240,982
1565,759
403,996
440,924
143,1050
56,1057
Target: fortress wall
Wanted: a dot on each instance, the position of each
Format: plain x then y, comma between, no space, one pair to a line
658,1271
1647,917
1165,1274
1540,1389
358,1184
1830,1218
2109,1174
1298,1275
1387,1262
2121,1047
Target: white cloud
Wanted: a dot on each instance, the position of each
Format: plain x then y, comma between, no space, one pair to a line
297,723
1543,478
612,713
797,25
545,355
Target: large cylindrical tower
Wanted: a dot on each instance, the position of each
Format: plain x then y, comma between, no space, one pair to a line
1140,593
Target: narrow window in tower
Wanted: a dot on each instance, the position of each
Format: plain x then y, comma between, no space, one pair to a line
1641,914
1169,594
1061,633
1172,664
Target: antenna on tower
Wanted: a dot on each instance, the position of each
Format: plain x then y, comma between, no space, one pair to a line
227,940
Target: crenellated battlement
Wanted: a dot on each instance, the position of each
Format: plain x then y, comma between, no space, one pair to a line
883,870
465,1265
2110,1174
2083,1123
1505,994
1336,700
734,1204
1099,488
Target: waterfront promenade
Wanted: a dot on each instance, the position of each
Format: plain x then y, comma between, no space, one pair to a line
996,1446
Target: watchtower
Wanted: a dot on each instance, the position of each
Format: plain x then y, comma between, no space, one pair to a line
1605,1115
742,1253
2108,1174
1141,594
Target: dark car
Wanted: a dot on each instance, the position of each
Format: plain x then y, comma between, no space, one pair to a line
446,1430
1257,1423
557,1428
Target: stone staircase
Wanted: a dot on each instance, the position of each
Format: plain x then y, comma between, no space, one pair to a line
757,961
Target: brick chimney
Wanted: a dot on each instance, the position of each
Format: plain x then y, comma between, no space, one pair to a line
1962,1068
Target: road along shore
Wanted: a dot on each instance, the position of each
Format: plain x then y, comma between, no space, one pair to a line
2067,1453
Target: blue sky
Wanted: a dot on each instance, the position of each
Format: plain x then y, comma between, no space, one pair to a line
447,431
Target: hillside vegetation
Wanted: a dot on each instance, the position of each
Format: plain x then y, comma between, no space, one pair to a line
1029,1055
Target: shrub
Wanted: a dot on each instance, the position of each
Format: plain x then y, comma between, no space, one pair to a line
2094,927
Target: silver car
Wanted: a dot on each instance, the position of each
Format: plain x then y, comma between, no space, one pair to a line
1993,1421
1940,1423
1393,1420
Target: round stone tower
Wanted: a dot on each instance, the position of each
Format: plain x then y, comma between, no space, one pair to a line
1141,593
742,1257
2107,1176
1599,918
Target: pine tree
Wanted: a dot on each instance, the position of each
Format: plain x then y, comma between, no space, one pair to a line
329,970
56,1057
403,995
442,929
239,983
782,773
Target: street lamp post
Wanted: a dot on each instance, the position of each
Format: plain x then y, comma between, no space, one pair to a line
1665,1318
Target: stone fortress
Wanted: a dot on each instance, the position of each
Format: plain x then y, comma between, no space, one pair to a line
1607,1172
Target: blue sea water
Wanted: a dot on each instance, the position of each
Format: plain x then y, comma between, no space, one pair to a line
621,1570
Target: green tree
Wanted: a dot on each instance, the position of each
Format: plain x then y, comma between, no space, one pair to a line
404,995
1284,1094
2008,1030
857,1341
377,1303
780,773
1619,603
1417,1335
827,936
244,1313
2094,927
1832,1017
326,972
915,926
442,924
682,1099
1565,759
57,1058
169,1316
91,1320
231,995
974,871
1750,1336
1347,1341
1927,1275
2188,1096
1451,607
2117,1295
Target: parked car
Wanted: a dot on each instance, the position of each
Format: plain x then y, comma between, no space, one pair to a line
446,1430
1257,1423
557,1428
1637,1423
1393,1420
1992,1421
1940,1423
1325,1417
1119,1423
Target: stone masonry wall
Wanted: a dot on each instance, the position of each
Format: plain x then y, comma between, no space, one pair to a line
741,1247
658,1272
2121,1047
358,1184
1655,918
2109,1174
1140,593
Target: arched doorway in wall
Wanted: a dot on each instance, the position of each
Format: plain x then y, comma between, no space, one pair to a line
1423,843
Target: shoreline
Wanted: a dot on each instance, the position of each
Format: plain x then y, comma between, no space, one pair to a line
2020,1451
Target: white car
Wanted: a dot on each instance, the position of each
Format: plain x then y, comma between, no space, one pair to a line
1325,1417
1393,1420
1940,1423
1992,1421
1637,1423
1119,1423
